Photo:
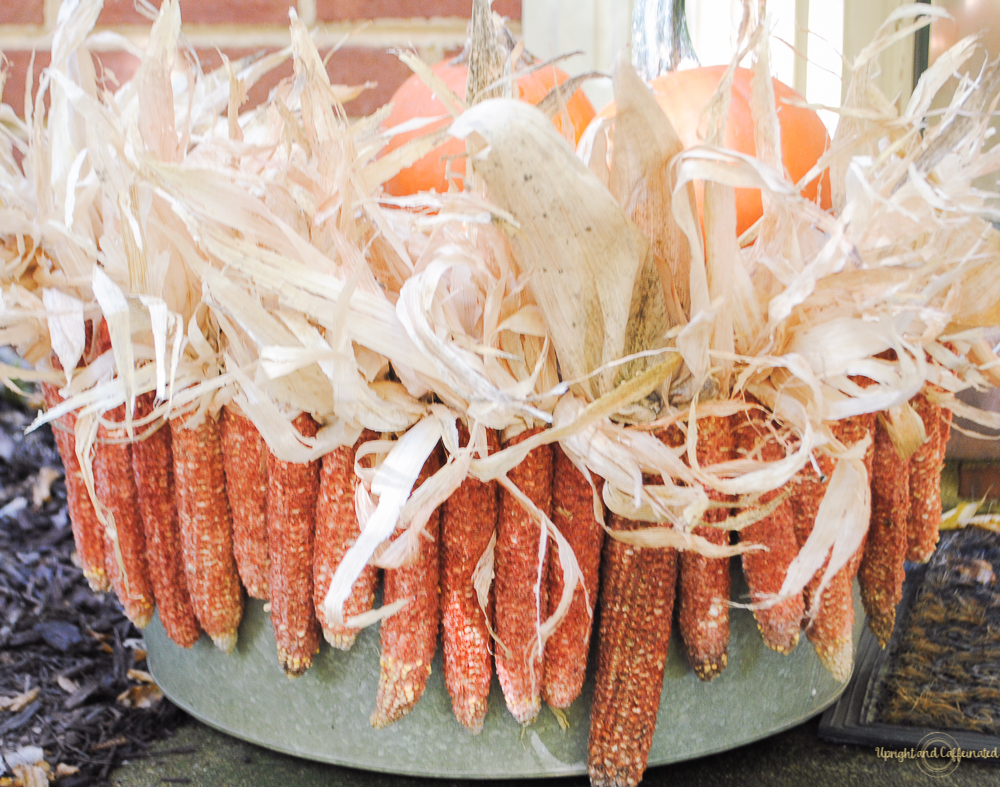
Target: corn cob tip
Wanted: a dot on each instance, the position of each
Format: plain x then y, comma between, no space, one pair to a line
615,776
226,642
400,685
143,617
881,626
780,641
294,666
471,714
709,670
560,697
98,580
838,658
340,640
920,555
527,710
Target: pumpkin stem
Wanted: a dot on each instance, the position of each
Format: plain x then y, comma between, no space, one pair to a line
660,39
490,46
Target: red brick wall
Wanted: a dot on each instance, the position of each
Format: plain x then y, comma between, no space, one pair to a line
240,27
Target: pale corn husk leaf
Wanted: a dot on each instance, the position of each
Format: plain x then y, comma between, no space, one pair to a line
841,524
393,483
644,145
418,509
460,369
67,329
482,581
453,104
495,465
905,429
587,263
572,575
986,418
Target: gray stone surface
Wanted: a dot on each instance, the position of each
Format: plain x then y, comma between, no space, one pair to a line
794,758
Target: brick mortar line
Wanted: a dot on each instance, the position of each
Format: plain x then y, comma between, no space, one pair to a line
380,34
23,31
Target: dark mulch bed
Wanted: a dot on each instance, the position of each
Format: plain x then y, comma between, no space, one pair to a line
65,651
945,673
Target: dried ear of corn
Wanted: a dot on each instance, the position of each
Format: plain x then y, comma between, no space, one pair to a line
703,590
831,628
153,469
882,573
636,602
765,570
924,517
573,514
336,530
124,540
468,525
292,492
206,528
519,587
409,637
245,457
88,532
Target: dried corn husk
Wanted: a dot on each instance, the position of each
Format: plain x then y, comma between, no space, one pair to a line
250,257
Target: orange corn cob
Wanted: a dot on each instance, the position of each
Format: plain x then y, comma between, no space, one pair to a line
88,532
292,492
409,638
206,529
924,518
573,513
468,522
765,571
244,455
881,573
153,470
637,600
518,657
831,630
124,541
703,593
336,531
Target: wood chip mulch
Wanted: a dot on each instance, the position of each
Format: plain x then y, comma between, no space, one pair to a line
72,667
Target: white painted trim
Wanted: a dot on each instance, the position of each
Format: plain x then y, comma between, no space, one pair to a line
447,33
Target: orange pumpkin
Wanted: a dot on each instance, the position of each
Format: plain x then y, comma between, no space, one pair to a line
415,99
683,96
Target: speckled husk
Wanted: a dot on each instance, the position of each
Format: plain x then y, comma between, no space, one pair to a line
88,532
882,570
245,457
125,550
519,664
704,589
567,647
153,469
292,491
409,638
206,529
765,571
924,520
468,522
636,603
336,531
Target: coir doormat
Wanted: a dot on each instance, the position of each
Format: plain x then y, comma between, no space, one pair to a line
941,670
